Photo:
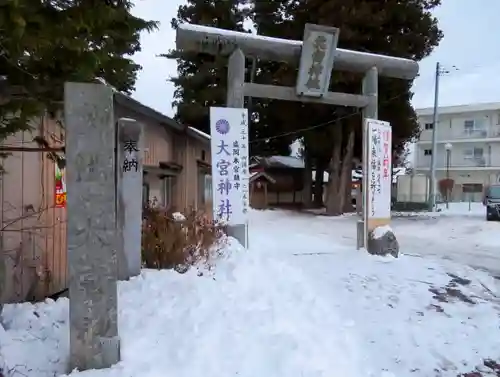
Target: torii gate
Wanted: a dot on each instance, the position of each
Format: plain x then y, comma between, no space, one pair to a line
317,55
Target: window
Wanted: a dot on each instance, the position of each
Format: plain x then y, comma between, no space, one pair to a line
145,193
472,187
472,126
167,191
429,126
203,155
204,187
468,125
208,188
427,152
474,153
493,192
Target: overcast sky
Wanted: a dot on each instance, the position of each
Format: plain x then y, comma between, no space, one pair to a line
471,34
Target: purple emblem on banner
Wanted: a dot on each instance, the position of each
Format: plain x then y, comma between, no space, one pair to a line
222,126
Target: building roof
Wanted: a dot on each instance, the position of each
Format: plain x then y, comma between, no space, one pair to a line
297,163
164,120
279,162
259,174
194,131
458,109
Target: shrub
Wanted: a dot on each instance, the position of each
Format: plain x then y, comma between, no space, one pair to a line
446,187
171,240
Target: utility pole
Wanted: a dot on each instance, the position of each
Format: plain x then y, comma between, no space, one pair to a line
433,184
432,188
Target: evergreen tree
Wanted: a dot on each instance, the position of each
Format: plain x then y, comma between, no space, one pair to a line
44,44
272,133
404,29
202,79
390,27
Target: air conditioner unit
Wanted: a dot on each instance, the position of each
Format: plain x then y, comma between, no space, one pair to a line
484,133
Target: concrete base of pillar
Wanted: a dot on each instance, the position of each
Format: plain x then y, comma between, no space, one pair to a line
240,233
360,230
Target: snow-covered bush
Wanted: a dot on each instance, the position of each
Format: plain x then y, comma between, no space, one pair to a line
177,216
171,239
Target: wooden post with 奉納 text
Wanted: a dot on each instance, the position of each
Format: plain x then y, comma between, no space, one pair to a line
315,56
129,196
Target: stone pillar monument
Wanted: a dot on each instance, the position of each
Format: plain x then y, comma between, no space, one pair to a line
91,227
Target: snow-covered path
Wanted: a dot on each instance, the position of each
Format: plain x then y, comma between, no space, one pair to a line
461,234
302,302
389,303
470,240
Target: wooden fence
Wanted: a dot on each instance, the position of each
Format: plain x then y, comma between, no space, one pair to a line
33,230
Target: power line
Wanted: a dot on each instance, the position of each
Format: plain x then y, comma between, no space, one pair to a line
299,131
469,69
321,124
443,70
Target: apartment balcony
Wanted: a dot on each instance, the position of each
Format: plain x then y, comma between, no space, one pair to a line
462,135
480,163
493,132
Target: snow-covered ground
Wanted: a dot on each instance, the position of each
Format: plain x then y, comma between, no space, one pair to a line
301,302
460,233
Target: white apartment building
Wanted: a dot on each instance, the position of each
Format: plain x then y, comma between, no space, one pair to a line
468,147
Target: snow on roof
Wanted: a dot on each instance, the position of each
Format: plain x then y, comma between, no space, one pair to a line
201,133
298,163
288,161
458,109
357,174
258,174
283,161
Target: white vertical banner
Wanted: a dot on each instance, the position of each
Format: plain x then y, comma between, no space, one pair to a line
230,175
378,172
